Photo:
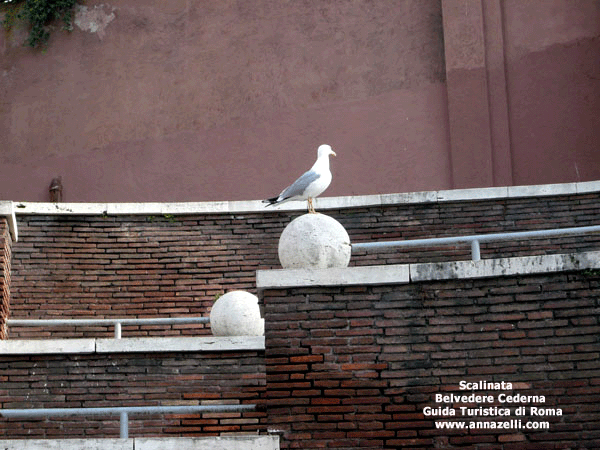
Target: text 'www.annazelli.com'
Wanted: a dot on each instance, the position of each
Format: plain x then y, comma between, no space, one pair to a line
513,424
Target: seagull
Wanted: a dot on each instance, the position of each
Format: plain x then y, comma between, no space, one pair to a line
311,184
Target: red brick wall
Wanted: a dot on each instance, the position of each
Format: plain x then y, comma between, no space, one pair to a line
349,366
135,266
132,379
353,367
425,220
5,275
68,266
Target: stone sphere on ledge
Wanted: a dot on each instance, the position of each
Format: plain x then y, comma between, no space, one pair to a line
314,241
236,314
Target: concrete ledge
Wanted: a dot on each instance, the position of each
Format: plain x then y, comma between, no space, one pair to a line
213,443
46,346
181,344
285,278
407,273
256,206
242,442
542,190
7,209
67,444
132,345
485,268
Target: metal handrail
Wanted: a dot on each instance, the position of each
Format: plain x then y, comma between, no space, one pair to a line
124,412
476,239
117,322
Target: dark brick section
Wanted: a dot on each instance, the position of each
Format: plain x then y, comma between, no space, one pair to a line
133,379
426,220
139,266
345,367
354,367
149,266
5,275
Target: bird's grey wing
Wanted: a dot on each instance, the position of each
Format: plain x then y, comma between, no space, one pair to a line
300,185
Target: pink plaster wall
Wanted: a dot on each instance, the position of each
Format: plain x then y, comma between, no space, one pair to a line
523,82
199,100
553,73
196,100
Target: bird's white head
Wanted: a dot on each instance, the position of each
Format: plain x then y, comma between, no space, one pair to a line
325,150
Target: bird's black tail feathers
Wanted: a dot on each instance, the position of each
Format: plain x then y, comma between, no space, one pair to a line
270,201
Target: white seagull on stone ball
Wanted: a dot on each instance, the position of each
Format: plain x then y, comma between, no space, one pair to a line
311,184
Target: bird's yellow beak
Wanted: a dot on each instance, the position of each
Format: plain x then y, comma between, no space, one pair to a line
333,153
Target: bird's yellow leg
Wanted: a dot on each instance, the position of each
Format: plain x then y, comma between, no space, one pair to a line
311,208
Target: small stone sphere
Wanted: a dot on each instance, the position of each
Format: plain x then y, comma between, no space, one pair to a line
314,241
236,314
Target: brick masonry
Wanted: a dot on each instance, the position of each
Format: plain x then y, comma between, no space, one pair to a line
164,265
355,367
345,367
134,266
5,275
132,379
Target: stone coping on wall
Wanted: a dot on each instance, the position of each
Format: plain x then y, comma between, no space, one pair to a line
242,442
256,206
7,210
409,273
132,345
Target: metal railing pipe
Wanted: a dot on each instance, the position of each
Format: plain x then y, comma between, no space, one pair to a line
117,322
475,250
125,411
122,321
431,242
123,425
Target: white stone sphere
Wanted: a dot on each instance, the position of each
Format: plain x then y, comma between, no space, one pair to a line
314,241
236,314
